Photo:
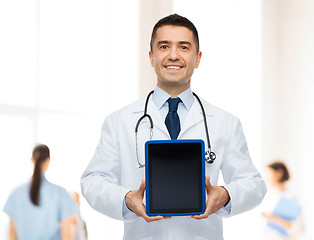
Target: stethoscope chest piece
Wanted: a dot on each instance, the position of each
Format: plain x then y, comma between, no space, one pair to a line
210,157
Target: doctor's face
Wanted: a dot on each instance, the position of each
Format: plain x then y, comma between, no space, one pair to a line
174,57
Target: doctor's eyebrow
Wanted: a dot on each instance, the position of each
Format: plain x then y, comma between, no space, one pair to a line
185,43
168,42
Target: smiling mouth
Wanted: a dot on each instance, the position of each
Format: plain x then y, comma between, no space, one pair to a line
173,67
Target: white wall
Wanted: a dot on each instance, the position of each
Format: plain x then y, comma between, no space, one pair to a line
288,87
63,63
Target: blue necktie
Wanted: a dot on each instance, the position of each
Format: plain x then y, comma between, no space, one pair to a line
172,120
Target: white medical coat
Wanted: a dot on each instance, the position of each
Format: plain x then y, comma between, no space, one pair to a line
114,171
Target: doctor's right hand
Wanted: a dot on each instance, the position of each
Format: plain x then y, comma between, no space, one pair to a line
134,201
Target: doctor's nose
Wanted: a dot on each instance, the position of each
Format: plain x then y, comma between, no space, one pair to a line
173,54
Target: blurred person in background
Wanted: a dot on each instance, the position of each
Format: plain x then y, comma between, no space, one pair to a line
283,212
78,226
38,209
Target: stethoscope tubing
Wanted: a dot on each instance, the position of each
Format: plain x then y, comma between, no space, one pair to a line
209,155
205,121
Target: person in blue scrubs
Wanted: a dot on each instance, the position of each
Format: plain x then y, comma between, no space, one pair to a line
40,210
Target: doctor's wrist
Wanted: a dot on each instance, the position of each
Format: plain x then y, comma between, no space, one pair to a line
226,197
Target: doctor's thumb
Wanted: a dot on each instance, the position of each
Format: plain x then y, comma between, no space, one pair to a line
207,183
142,187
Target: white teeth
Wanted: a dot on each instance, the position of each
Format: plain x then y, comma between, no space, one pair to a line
173,67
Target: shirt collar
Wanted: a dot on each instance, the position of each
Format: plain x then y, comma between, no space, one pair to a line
160,97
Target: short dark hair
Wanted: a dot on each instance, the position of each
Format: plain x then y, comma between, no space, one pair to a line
280,166
175,20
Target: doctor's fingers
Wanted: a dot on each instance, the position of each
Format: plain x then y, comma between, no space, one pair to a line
210,209
152,219
216,200
142,213
140,209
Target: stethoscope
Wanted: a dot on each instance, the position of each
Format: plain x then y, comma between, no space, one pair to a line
209,155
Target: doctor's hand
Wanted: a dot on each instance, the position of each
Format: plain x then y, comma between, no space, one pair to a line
134,201
217,198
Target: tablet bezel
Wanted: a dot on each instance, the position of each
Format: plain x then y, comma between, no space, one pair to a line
175,211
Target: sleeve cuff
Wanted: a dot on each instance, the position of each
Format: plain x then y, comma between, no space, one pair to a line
225,210
127,214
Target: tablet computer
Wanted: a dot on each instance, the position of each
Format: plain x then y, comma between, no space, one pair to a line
175,177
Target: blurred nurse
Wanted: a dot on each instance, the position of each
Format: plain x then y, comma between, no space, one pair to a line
282,212
40,210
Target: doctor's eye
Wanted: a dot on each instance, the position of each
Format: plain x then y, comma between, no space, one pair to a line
163,47
184,47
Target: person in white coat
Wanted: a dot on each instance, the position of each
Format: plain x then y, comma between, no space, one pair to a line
113,182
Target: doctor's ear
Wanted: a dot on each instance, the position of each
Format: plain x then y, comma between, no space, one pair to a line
198,59
151,58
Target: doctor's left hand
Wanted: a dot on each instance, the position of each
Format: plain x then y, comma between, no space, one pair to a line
217,198
134,201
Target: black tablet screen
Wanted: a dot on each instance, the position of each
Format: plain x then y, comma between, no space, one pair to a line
175,177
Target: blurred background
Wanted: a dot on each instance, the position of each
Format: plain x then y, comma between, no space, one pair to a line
65,64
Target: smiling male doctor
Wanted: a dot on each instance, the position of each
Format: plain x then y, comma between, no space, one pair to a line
110,182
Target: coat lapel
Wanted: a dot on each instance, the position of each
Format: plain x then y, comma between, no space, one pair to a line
155,115
194,117
158,121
